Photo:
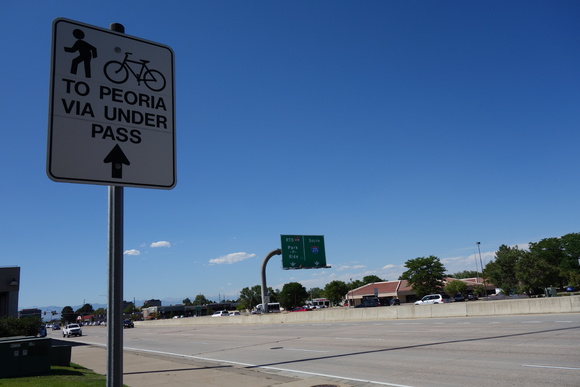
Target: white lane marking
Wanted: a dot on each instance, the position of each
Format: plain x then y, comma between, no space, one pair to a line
554,367
267,367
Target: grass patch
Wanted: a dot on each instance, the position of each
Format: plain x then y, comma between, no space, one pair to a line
72,376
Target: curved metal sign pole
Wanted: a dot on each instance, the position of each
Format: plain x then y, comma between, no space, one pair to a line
264,286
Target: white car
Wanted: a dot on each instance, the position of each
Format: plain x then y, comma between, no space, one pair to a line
236,313
220,313
72,330
434,299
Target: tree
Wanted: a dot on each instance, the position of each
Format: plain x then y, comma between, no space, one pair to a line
455,287
425,275
574,279
335,291
68,315
316,293
274,294
355,284
250,297
85,309
561,253
535,273
187,302
293,294
570,264
465,274
129,309
201,300
502,270
369,279
551,251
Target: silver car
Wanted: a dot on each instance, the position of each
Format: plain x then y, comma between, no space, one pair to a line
434,299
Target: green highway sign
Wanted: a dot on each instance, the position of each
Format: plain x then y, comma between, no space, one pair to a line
303,252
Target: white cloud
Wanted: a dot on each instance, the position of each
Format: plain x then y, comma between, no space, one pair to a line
522,246
231,258
160,244
132,252
348,267
387,267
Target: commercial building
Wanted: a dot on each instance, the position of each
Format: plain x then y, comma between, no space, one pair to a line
383,292
9,288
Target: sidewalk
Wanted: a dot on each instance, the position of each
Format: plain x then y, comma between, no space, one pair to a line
142,370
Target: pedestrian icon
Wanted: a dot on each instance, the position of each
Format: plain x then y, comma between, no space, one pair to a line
86,53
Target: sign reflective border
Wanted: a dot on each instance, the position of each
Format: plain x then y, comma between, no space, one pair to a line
303,252
112,109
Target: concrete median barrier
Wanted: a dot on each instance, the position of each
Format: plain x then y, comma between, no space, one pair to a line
569,304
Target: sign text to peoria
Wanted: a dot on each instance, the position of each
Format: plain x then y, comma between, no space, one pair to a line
111,111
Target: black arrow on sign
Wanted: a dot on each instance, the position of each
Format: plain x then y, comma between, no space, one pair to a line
117,158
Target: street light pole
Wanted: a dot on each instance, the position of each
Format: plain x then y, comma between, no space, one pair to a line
351,296
476,268
481,265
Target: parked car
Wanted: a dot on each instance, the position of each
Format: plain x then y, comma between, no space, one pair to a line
220,313
434,299
300,309
395,301
368,303
458,297
55,327
72,330
471,297
236,313
128,324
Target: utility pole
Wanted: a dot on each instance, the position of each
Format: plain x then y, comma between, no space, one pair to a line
481,265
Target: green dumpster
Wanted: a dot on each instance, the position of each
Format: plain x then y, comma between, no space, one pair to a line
22,356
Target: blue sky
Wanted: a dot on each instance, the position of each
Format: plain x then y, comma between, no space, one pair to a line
395,129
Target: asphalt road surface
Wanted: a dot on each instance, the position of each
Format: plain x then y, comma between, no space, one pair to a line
538,350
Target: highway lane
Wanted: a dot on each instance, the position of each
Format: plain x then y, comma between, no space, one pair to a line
508,350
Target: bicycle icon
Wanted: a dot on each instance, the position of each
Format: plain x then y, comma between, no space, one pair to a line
118,72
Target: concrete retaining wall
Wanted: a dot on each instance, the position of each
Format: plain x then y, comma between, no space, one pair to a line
569,304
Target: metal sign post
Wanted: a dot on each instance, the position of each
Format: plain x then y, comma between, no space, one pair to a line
111,122
115,306
265,295
115,297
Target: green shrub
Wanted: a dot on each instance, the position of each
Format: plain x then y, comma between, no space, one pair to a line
28,326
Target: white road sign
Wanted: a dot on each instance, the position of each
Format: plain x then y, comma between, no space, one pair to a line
112,108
